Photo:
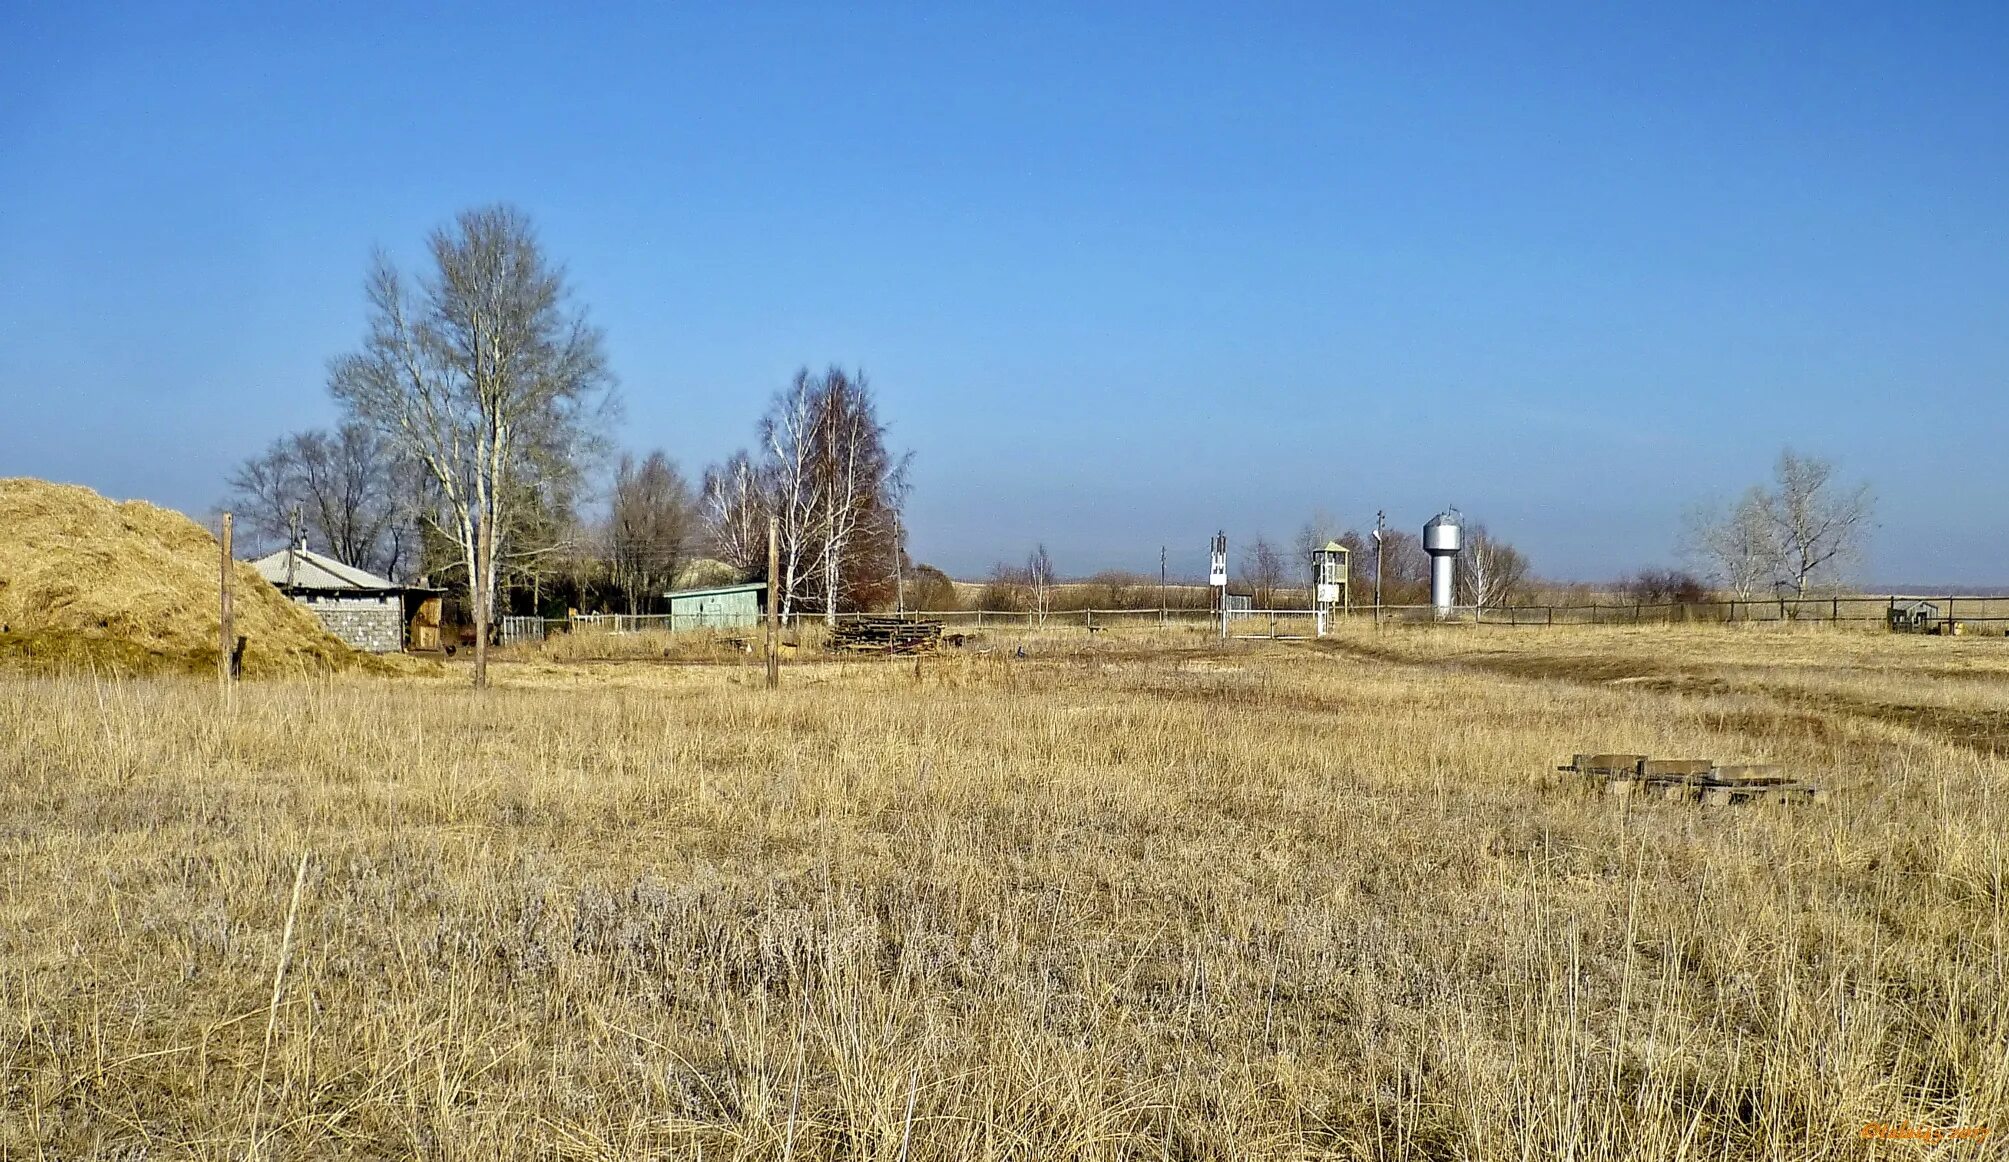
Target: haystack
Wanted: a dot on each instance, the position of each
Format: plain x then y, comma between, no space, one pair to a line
130,588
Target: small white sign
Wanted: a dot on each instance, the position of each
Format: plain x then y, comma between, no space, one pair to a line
1328,593
1218,577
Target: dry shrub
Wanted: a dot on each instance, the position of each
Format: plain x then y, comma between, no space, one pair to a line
129,588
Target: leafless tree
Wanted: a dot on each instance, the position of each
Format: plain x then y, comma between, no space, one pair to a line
649,521
1005,589
349,491
1039,580
1820,525
1405,568
1738,546
1804,531
484,377
825,475
735,510
1266,570
860,486
1493,571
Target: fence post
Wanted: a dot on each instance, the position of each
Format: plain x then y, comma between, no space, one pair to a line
1551,611
1837,618
226,626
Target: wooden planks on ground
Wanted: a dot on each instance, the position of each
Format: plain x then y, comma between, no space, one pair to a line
884,635
1693,780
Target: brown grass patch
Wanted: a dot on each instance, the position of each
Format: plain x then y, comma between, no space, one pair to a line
1227,902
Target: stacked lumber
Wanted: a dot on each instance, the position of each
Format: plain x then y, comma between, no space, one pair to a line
884,635
1689,780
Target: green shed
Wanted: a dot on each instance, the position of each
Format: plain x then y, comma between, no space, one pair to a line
719,607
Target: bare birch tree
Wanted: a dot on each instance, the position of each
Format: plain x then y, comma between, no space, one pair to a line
734,511
1737,547
1806,530
1493,571
859,481
485,378
1039,580
1820,526
824,473
788,445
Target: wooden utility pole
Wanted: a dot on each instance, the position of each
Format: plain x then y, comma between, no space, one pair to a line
773,607
1380,530
226,629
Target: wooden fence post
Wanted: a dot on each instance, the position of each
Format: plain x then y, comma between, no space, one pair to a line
773,639
226,636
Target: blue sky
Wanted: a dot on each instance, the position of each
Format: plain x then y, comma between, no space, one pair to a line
1121,277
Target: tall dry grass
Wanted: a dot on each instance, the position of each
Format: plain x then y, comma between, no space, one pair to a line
1123,898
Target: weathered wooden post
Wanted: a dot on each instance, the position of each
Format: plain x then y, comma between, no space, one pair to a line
226,635
773,607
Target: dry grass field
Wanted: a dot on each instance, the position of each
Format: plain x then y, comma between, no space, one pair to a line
1141,896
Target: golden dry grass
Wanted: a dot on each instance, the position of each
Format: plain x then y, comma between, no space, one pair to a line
1141,896
88,583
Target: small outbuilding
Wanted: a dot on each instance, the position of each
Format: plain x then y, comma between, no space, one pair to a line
1913,616
370,613
718,607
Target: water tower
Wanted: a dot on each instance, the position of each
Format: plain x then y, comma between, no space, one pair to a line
1442,538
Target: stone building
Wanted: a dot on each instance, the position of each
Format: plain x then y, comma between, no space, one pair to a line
368,612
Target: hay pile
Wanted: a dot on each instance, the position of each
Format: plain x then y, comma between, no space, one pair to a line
129,588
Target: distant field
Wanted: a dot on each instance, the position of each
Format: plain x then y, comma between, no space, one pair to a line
1138,895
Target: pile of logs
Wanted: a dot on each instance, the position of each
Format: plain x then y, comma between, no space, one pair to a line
884,635
1693,780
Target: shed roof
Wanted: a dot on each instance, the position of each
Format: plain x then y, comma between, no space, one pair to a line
296,567
717,590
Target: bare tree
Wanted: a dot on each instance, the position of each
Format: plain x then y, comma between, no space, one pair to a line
347,491
1494,571
1267,571
860,486
1004,590
649,521
1738,546
484,377
1322,529
1820,525
1405,568
1039,580
1806,530
735,514
825,475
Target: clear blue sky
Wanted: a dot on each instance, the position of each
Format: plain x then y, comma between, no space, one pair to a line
1120,277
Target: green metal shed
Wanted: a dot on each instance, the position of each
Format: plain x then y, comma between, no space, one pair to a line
720,607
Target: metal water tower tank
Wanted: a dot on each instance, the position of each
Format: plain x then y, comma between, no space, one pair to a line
1442,538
